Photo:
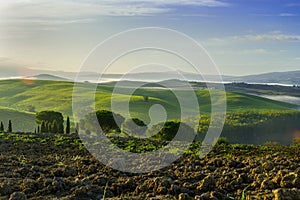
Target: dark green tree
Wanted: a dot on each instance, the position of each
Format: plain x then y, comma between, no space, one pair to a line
107,120
49,117
38,129
9,129
60,128
169,129
43,127
68,126
1,127
49,127
54,127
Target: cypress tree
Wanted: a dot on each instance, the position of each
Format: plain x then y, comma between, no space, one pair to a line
9,129
38,129
77,127
35,130
1,127
49,127
46,127
43,127
68,127
54,127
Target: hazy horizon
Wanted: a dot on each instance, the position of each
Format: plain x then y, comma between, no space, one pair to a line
21,72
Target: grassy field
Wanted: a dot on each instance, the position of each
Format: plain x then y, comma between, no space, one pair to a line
22,121
18,97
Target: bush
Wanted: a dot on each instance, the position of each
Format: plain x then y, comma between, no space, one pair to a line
134,127
222,141
106,119
168,130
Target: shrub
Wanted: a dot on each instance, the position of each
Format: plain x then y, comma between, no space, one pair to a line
134,127
168,130
107,120
222,141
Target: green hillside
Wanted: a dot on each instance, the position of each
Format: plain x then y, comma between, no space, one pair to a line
53,95
21,121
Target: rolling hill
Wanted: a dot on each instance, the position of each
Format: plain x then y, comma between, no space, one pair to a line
21,121
19,97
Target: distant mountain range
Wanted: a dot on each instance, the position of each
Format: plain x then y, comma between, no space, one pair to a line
290,78
284,78
47,77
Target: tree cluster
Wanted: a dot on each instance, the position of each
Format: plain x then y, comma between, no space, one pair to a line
255,127
52,122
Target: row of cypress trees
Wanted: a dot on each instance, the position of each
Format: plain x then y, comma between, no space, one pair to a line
45,127
9,128
53,127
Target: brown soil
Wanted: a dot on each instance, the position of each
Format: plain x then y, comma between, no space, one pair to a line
45,171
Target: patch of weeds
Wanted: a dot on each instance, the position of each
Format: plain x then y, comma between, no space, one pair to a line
243,193
228,155
105,190
22,159
60,140
42,140
59,160
75,158
81,146
131,146
264,148
222,141
176,151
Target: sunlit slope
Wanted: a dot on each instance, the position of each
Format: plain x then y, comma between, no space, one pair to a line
21,121
55,95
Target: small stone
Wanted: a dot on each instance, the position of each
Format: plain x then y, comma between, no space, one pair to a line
184,196
207,184
286,194
268,166
288,180
205,196
267,184
18,196
5,189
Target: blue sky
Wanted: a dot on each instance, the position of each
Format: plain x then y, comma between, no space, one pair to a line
242,37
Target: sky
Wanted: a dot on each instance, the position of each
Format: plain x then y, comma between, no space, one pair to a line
242,37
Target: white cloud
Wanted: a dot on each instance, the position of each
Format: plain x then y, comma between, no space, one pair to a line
72,9
287,15
275,15
47,22
76,8
19,17
209,3
273,36
243,52
270,38
255,51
